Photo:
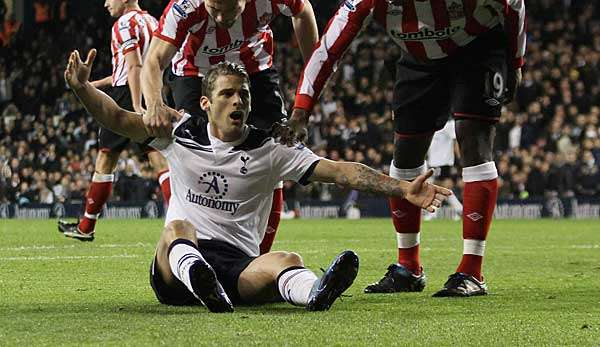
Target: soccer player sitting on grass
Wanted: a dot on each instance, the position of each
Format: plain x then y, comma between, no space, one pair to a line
222,175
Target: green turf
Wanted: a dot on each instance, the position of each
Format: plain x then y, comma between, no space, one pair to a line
544,278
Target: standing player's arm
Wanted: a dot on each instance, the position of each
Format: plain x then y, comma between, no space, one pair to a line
103,82
158,117
515,25
133,60
361,177
305,28
104,109
341,31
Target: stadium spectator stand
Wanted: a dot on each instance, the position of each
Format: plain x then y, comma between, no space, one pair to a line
547,142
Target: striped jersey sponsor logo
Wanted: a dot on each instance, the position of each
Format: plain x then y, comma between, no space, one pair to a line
428,30
202,44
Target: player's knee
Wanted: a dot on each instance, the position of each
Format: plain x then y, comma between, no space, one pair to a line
179,229
159,163
288,259
106,162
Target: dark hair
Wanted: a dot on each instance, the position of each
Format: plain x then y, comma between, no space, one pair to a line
223,68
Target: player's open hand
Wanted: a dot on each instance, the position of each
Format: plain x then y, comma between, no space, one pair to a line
159,119
78,72
426,195
294,130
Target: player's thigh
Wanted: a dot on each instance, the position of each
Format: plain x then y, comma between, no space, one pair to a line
186,93
268,105
106,161
479,75
479,90
421,107
109,141
157,160
258,282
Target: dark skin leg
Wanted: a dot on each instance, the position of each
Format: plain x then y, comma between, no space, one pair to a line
475,140
409,153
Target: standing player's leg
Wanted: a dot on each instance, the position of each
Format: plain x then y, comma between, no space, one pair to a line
267,108
159,163
283,275
479,90
180,275
186,93
100,189
274,219
475,139
416,118
407,274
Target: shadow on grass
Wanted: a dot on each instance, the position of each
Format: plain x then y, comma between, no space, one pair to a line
141,309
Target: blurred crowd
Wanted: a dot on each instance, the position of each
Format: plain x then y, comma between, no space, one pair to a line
547,141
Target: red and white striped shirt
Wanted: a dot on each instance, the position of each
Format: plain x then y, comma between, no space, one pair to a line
427,29
131,31
187,25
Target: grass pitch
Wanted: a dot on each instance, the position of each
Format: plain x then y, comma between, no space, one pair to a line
544,279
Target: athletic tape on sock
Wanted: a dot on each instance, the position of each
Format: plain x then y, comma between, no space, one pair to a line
102,178
406,174
408,240
475,247
483,172
91,215
163,176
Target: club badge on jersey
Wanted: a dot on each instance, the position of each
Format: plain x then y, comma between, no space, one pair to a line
244,169
456,11
350,5
182,8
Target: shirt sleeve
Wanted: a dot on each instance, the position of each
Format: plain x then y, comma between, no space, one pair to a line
127,35
163,144
177,20
289,8
341,31
292,163
515,25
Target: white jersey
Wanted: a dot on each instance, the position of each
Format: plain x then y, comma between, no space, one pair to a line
225,189
441,150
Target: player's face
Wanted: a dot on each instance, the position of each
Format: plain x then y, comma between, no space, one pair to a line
228,106
115,7
225,12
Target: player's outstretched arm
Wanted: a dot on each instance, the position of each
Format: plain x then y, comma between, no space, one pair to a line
159,116
104,109
361,177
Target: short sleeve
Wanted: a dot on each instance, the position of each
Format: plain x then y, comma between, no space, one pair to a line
293,163
127,35
290,8
163,144
177,19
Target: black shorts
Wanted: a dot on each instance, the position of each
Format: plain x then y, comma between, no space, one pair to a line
112,142
228,262
267,102
470,84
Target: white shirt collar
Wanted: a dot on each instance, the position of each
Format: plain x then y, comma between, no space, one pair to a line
217,144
